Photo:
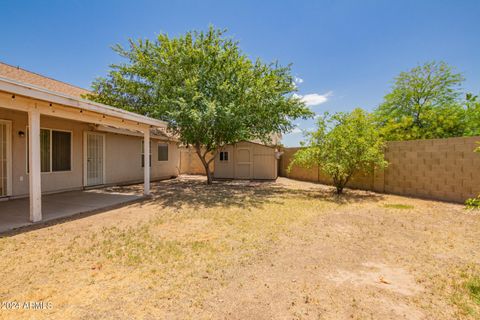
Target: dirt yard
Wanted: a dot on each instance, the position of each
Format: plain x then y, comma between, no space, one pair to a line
240,250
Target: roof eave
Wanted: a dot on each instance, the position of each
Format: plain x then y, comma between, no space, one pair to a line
31,91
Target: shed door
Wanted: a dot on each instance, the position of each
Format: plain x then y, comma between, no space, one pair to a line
243,163
95,158
5,156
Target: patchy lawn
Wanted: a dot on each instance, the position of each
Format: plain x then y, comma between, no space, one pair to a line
242,250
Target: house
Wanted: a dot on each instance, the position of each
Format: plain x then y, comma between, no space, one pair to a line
247,160
53,140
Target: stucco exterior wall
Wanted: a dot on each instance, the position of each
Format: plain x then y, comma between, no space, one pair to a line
124,161
123,156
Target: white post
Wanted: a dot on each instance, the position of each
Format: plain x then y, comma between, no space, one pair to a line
146,163
35,175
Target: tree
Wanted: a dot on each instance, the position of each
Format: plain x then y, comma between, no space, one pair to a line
205,88
343,145
472,115
424,103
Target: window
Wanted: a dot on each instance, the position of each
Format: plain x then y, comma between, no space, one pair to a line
223,155
163,152
61,151
55,150
143,154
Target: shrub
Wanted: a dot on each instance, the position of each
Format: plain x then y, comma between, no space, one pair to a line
343,145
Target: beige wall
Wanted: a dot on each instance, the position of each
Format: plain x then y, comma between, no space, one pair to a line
445,169
190,163
261,159
442,169
122,156
124,160
225,169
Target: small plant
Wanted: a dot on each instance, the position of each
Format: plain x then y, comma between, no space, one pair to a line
398,206
473,287
473,203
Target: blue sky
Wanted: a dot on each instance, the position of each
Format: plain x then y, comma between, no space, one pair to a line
346,53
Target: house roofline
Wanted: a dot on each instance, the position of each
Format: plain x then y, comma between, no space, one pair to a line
32,91
43,76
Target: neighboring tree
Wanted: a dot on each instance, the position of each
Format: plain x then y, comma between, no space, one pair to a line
343,145
205,88
424,103
472,115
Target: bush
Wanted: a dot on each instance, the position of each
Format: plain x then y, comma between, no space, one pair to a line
343,145
473,203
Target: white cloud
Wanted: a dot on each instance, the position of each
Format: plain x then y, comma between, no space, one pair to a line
296,131
314,99
298,80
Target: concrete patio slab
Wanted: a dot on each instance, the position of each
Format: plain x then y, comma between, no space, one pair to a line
15,213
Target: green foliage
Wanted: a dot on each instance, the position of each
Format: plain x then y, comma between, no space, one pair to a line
342,145
425,103
473,203
205,88
473,286
472,116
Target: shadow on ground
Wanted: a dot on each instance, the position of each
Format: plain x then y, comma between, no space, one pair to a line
195,193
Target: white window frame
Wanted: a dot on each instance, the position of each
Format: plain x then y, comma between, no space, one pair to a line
168,151
228,156
50,137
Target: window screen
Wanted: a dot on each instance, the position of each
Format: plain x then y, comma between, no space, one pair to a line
162,152
45,150
55,150
61,151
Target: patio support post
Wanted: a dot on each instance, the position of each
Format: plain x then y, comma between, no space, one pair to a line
146,163
35,175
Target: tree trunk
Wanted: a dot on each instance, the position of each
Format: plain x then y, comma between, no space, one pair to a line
206,164
339,189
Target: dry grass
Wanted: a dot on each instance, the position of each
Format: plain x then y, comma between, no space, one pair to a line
398,206
195,251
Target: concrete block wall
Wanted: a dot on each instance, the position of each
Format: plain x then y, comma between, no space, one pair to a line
444,169
190,163
441,169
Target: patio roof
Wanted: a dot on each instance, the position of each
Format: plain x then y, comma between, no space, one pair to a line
35,92
38,101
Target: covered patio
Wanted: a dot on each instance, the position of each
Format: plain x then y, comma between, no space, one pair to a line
36,103
16,213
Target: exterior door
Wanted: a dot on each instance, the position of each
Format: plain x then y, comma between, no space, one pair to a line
243,163
5,158
95,159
